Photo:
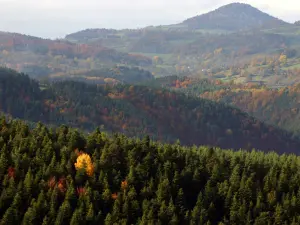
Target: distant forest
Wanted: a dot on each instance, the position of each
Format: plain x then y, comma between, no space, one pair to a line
136,111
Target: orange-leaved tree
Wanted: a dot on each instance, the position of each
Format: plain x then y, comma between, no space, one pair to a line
84,161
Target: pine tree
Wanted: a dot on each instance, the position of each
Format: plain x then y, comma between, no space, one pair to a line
108,220
90,216
64,214
116,210
71,195
278,215
4,161
180,202
162,213
30,216
28,182
235,178
77,218
174,220
263,219
234,211
10,217
46,221
41,205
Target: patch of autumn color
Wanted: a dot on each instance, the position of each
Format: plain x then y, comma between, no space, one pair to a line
62,184
185,83
218,82
116,95
131,88
62,111
124,184
11,172
81,191
124,126
84,161
282,58
218,51
4,52
114,196
140,57
52,182
94,78
111,80
83,119
294,110
47,102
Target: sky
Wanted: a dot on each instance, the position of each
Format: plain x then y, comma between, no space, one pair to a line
56,18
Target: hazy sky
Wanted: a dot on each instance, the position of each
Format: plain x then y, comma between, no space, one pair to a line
56,18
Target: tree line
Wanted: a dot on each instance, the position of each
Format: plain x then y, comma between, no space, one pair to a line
62,176
137,110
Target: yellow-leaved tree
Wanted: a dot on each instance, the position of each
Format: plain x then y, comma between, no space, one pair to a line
84,161
283,59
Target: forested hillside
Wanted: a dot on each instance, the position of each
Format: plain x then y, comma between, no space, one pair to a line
111,75
41,57
234,42
138,110
62,177
220,44
277,106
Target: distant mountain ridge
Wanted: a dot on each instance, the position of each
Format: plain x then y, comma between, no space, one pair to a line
230,17
235,33
235,16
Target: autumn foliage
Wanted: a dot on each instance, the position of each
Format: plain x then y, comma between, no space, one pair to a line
62,184
52,182
139,180
114,196
11,172
124,184
84,161
81,191
164,115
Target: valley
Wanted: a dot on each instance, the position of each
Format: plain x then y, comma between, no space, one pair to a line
172,82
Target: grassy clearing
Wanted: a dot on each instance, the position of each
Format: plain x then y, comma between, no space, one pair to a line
165,57
296,66
285,30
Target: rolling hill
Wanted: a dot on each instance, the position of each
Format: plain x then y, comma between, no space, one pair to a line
110,75
255,38
164,50
139,110
41,57
229,36
277,106
233,17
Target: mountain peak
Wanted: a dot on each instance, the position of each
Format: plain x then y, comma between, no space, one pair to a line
237,5
233,17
